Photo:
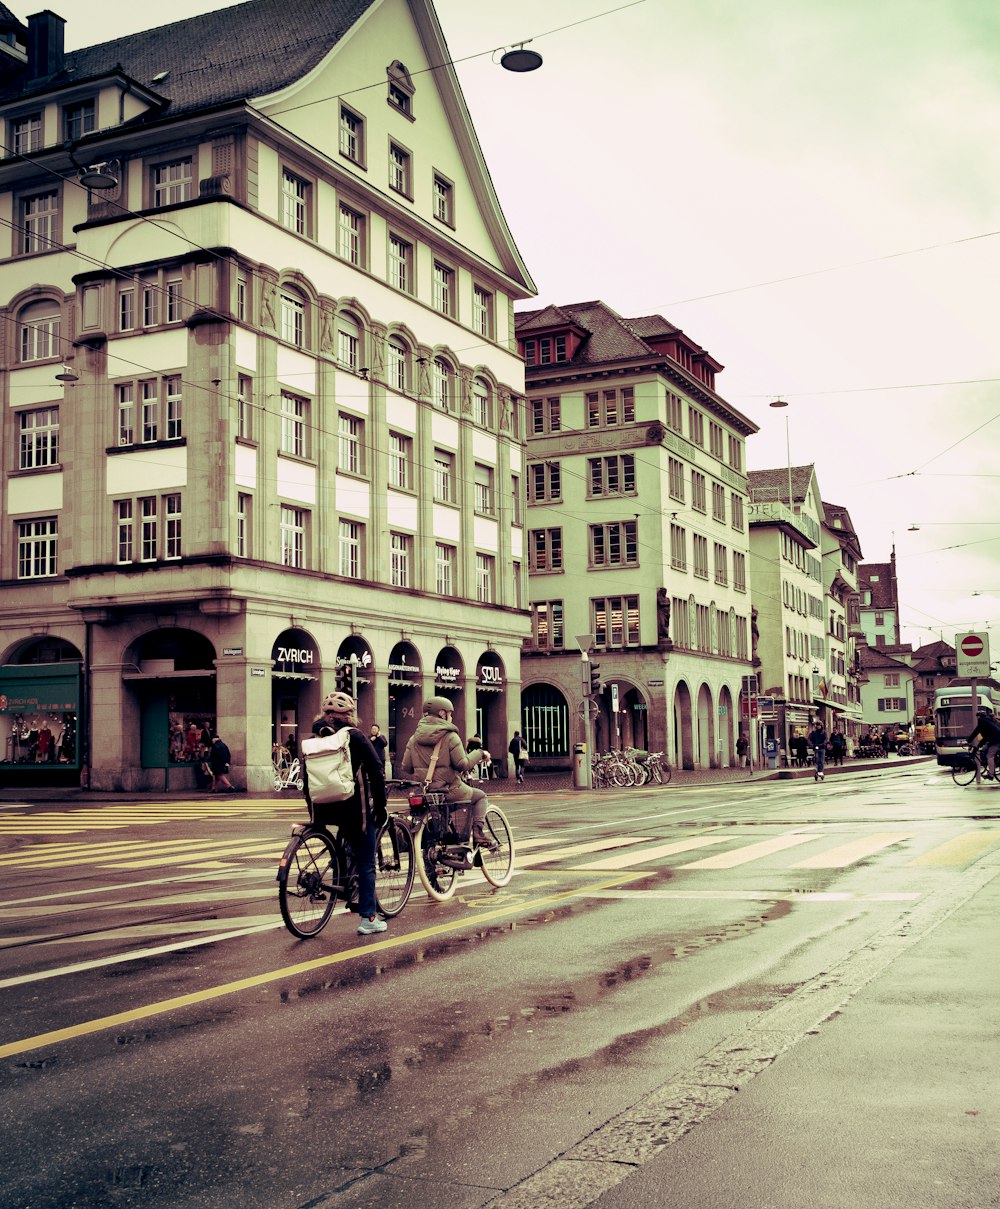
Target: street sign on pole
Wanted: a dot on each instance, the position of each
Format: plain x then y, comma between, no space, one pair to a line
614,697
972,655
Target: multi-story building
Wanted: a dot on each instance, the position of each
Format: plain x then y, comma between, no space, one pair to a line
790,600
878,612
934,667
637,537
839,681
262,413
887,690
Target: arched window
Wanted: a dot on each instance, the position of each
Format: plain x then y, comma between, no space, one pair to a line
349,342
443,384
293,316
545,720
397,364
482,403
39,330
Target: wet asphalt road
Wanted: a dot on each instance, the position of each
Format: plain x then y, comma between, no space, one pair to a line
164,1041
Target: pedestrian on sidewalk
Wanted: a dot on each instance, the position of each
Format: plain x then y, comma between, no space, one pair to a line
518,750
218,762
743,753
818,741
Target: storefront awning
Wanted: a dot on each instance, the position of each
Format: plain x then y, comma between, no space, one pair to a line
291,676
194,674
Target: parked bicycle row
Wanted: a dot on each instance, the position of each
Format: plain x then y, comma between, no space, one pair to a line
629,767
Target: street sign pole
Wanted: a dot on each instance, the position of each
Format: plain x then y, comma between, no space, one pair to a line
972,659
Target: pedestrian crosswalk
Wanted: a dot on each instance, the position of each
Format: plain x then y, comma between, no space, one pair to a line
117,816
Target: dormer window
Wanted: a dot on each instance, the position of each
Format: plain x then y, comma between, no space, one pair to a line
545,350
79,120
401,90
26,134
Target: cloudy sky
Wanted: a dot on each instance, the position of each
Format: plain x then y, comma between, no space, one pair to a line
807,188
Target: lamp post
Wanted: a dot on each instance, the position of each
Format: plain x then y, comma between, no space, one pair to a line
788,450
582,752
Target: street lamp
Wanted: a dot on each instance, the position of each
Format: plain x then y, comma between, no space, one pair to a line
788,450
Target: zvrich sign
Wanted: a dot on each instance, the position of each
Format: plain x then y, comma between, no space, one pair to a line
972,655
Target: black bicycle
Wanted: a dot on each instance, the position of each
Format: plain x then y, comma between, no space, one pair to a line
965,772
440,832
317,870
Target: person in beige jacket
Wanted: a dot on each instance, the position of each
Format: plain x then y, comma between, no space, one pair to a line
435,726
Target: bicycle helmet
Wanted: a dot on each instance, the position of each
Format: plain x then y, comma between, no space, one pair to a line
338,703
435,705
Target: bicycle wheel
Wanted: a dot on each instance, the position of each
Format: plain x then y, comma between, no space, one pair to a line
963,774
394,867
664,770
308,883
497,858
437,879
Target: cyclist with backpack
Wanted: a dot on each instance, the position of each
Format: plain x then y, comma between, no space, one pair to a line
435,748
989,732
364,811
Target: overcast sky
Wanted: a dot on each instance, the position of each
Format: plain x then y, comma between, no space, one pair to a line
844,151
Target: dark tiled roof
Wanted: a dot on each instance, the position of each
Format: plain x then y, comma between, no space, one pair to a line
776,481
871,657
248,50
612,338
883,590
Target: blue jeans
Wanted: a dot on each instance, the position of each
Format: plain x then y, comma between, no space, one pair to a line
362,845
820,757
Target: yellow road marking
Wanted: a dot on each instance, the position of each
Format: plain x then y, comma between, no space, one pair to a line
856,850
959,850
752,852
88,1027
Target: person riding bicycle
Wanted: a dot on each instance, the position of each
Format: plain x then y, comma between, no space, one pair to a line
988,730
436,726
365,812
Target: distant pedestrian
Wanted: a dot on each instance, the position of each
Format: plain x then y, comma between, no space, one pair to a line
818,741
885,742
218,762
518,750
743,752
838,745
381,745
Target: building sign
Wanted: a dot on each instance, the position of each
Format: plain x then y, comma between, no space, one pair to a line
404,666
257,671
972,655
490,676
294,653
232,650
447,675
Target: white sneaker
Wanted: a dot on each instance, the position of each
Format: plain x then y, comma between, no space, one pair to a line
368,926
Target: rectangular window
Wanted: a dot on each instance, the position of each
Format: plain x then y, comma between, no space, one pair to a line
349,345
396,365
616,621
350,235
39,438
739,571
444,477
544,482
547,624
721,555
37,548
400,560
172,525
678,548
293,320
735,452
614,475
442,376
696,427
244,506
700,559
715,435
400,99
736,510
173,427
483,489
546,415
150,411
675,413
482,404
891,679
485,578
482,312
244,408
174,300
352,135
39,216
126,310
444,199
400,461
351,432
41,338
400,264
148,528
444,289
124,538
351,533
444,569
242,298
614,544
399,170
545,550
26,134
675,471
79,120
150,305
172,182
294,426
698,501
294,202
125,413
610,408
719,502
293,536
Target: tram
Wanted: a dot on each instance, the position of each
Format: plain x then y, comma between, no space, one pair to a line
955,717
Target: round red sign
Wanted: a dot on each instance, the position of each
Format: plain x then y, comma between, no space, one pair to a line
972,645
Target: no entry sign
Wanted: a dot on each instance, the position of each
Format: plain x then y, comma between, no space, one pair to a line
972,655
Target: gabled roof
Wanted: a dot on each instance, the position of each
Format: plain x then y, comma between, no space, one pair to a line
249,50
775,482
872,657
883,588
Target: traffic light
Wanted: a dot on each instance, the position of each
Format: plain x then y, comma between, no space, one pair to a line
595,678
345,678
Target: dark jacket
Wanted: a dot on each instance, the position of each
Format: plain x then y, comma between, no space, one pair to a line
453,759
987,730
368,801
219,757
818,738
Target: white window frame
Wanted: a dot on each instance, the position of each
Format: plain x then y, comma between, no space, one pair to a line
40,338
39,222
38,548
38,438
444,199
400,559
486,574
293,536
296,195
444,569
482,311
351,437
400,264
400,461
351,549
352,135
172,182
350,235
294,425
292,310
400,170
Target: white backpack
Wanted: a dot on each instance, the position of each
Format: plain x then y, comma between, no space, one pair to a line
328,767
